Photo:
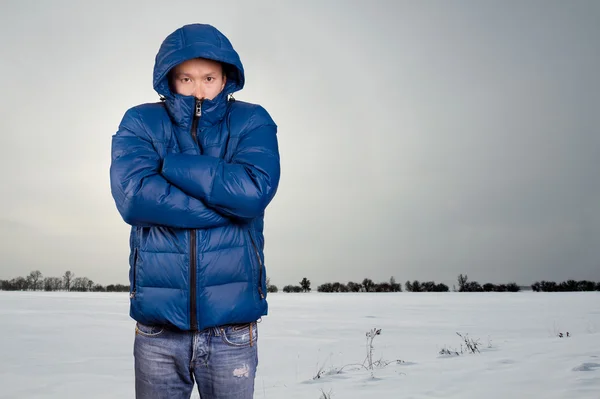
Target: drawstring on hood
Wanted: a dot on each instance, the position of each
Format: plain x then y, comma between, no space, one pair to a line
189,42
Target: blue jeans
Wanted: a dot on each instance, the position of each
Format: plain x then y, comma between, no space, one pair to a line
221,360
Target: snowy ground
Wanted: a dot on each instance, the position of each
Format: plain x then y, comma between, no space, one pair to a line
68,345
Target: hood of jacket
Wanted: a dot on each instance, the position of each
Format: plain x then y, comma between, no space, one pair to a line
196,41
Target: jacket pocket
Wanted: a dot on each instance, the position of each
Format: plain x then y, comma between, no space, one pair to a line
260,265
134,274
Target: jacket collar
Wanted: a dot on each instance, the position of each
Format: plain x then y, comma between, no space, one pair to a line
181,109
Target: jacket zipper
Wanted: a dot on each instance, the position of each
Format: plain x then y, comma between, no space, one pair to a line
135,257
197,115
260,266
193,320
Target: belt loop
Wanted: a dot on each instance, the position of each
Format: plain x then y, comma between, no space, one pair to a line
251,344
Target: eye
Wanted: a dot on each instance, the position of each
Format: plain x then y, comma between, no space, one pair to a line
210,79
185,80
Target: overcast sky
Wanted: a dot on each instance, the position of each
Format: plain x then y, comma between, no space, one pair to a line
419,139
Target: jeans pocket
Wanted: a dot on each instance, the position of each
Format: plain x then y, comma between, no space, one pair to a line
240,335
148,330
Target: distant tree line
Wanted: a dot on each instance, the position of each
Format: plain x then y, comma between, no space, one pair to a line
464,285
427,286
35,281
570,285
367,285
303,287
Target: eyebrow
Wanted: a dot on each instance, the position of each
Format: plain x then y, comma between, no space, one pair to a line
183,74
180,74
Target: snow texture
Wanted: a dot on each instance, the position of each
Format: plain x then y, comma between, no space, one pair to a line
70,345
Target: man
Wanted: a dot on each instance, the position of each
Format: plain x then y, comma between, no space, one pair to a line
192,175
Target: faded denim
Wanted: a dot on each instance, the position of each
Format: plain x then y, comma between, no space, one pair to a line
222,361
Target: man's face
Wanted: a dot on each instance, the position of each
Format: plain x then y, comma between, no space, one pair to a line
199,77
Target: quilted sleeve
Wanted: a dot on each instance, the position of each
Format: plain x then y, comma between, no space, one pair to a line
241,188
143,197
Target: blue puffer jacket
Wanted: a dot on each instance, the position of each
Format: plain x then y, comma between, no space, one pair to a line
196,206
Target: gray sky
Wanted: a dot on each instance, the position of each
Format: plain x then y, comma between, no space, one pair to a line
419,139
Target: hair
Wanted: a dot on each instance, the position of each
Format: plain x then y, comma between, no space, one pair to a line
227,69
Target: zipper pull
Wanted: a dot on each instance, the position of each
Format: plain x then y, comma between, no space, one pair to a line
198,108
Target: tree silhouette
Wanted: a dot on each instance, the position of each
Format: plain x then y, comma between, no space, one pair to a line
488,287
368,285
67,278
428,286
462,282
441,287
98,288
292,288
396,287
570,285
512,287
416,286
34,279
327,287
353,287
20,284
585,285
305,284
52,284
80,284
472,286
339,287
271,287
383,287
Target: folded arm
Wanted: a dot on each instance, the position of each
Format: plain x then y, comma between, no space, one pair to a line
143,197
241,188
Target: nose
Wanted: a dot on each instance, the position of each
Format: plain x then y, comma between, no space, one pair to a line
199,92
